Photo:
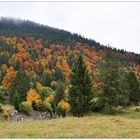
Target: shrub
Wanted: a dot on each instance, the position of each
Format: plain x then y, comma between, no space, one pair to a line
25,107
63,108
47,106
6,112
64,105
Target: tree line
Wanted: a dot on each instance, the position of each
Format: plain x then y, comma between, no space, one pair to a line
116,87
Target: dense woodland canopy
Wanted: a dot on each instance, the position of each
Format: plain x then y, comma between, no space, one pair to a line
43,68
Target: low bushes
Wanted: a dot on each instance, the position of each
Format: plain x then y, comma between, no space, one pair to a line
25,107
63,107
6,110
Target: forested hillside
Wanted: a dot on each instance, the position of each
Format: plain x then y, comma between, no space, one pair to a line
36,62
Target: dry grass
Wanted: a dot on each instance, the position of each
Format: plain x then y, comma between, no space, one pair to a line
94,126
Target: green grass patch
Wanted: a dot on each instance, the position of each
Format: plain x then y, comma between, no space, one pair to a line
94,126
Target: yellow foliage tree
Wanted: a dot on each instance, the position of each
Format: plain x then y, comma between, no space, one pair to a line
8,79
6,112
33,96
64,105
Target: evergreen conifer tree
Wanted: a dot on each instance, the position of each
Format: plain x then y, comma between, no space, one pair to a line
81,89
113,82
16,100
21,84
134,88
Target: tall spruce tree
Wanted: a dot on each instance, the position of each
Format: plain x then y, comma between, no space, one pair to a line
134,88
16,100
81,89
124,89
21,85
114,86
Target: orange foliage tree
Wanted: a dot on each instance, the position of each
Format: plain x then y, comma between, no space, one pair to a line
33,96
66,68
8,79
64,105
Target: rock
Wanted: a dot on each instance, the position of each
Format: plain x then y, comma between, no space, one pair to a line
34,115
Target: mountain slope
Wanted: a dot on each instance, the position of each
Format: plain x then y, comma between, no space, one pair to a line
35,66
43,49
49,35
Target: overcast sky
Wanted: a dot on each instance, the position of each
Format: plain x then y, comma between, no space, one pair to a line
114,23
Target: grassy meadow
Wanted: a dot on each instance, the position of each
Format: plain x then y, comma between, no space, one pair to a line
91,126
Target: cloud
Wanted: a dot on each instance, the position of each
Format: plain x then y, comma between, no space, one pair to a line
114,23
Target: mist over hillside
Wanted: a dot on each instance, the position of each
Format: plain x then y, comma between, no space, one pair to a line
25,28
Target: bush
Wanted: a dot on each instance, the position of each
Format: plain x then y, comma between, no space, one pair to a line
63,107
25,107
47,106
6,112
33,98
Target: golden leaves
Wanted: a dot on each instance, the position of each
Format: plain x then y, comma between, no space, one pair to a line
33,96
64,105
8,79
50,98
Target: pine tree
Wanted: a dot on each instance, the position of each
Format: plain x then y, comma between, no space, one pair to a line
134,88
81,90
59,74
124,89
21,84
60,92
114,87
16,100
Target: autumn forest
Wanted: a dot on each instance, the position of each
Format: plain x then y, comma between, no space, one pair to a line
44,69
